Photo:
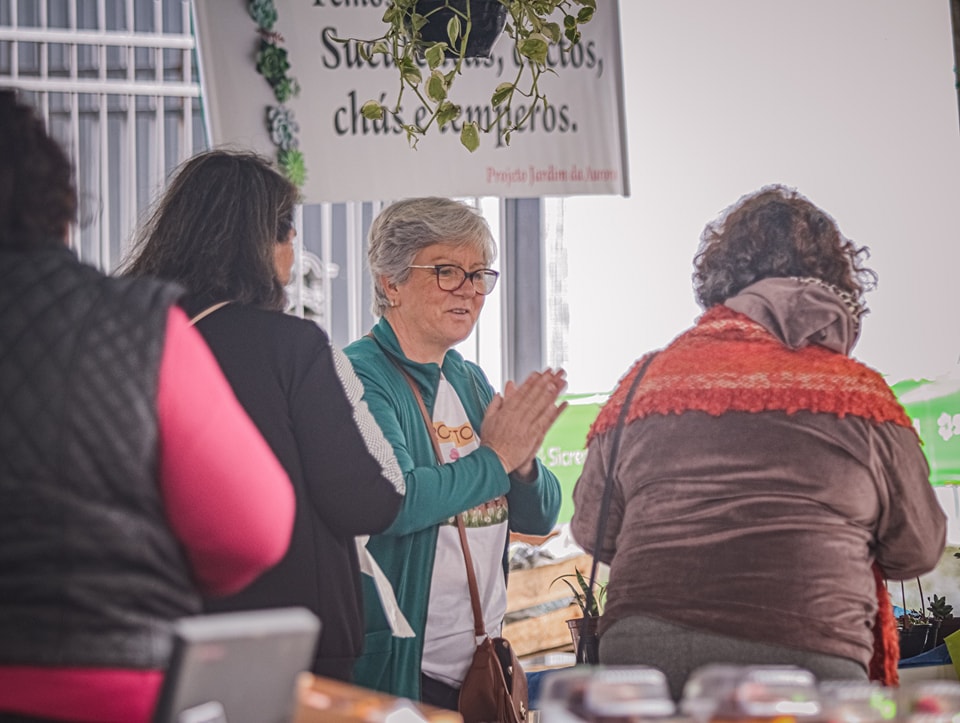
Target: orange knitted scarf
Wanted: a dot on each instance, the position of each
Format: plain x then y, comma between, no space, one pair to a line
728,362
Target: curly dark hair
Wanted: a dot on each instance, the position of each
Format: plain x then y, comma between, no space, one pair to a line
215,229
776,232
38,198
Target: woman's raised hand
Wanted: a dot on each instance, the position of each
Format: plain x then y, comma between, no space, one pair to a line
516,422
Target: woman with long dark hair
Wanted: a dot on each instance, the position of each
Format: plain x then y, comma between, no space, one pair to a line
224,230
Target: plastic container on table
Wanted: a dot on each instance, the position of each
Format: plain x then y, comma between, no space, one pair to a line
606,694
857,701
719,693
929,701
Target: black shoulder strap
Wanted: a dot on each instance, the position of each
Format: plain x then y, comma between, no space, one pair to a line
608,491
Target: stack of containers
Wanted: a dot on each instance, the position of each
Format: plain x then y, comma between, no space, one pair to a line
738,694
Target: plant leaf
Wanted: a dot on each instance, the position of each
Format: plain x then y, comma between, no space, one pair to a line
534,48
436,87
410,72
552,31
470,136
434,55
453,30
391,15
447,112
501,93
417,21
372,110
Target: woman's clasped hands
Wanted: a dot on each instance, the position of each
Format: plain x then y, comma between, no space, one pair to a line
516,422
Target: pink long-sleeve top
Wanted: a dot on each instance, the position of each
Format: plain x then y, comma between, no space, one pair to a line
233,526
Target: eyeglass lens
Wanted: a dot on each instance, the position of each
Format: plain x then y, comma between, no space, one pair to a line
451,278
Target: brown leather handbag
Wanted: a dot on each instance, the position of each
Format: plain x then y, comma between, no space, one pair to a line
494,689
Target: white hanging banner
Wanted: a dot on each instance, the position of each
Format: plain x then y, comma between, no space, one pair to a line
576,146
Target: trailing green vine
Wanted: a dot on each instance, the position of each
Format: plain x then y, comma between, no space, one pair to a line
274,66
532,28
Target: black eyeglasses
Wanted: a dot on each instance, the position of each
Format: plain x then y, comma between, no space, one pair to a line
451,277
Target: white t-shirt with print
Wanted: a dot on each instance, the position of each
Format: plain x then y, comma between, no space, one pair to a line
449,640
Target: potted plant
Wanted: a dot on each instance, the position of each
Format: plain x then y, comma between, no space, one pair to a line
591,608
441,34
918,631
942,612
487,20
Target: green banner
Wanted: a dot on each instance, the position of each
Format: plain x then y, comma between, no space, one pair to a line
934,407
565,446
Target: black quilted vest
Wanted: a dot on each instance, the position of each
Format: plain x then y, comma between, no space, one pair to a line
90,574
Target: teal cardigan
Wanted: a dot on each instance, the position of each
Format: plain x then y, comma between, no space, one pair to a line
405,550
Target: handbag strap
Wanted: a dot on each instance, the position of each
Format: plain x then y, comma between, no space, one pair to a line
608,489
206,312
479,628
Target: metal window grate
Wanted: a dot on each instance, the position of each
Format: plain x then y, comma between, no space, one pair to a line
116,82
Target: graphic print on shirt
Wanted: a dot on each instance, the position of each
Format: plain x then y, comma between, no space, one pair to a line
457,439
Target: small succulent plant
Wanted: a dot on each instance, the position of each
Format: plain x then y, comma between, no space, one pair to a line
580,590
939,608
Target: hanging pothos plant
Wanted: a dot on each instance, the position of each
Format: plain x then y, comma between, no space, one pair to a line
273,65
533,26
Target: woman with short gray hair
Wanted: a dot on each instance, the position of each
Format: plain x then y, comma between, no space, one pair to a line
401,230
430,258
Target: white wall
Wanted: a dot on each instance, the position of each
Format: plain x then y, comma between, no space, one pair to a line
853,102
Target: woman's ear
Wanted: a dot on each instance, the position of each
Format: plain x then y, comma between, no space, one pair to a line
390,289
387,285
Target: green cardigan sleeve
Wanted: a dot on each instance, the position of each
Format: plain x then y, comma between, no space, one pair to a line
434,492
535,506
